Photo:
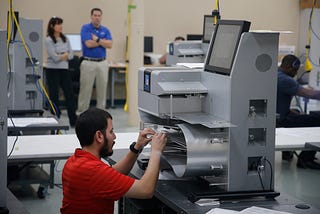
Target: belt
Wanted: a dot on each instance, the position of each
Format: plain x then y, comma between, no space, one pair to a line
94,59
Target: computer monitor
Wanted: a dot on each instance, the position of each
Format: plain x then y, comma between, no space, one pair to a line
224,45
208,28
148,44
75,41
194,36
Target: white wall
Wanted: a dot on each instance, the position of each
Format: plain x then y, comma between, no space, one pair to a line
164,19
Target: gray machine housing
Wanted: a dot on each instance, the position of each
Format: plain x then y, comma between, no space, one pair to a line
186,52
3,120
221,127
23,94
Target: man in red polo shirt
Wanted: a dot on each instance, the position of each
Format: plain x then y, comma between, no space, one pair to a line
90,185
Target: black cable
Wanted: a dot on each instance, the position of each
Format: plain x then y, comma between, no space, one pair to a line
271,174
314,33
260,178
311,29
9,66
15,141
8,46
58,185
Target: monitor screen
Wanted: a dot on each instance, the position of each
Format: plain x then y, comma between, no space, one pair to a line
75,41
224,45
148,44
208,28
194,36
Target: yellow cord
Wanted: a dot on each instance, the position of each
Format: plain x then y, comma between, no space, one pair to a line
126,105
9,30
308,64
215,18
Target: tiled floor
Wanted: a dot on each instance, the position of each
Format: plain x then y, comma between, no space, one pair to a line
302,184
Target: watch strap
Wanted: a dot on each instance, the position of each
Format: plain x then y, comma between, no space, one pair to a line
134,150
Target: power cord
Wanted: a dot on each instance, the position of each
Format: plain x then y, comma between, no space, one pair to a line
260,168
15,140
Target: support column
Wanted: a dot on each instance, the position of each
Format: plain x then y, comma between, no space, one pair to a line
135,60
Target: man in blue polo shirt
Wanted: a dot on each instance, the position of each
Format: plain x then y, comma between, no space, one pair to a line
95,40
286,89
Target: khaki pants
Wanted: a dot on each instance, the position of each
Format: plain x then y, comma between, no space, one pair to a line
90,71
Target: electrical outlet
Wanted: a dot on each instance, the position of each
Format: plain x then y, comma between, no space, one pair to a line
254,164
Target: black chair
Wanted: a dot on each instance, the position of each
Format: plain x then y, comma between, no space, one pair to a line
74,67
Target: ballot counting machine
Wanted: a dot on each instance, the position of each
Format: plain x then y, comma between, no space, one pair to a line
220,121
186,52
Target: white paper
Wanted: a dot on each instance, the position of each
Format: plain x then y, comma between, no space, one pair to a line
192,65
260,210
207,202
221,211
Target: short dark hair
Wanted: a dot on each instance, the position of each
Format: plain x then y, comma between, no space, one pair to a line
95,9
89,122
290,61
180,38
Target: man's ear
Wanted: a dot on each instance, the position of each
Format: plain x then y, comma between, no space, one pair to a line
99,136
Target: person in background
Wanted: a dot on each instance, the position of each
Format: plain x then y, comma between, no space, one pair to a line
95,40
163,58
57,74
92,186
287,88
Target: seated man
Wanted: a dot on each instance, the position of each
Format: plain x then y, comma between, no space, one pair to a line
287,88
90,185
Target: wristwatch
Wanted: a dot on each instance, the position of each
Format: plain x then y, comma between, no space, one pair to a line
98,40
134,150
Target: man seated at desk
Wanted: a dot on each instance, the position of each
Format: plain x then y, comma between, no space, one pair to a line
91,186
287,88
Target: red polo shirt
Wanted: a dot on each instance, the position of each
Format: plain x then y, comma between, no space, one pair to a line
91,186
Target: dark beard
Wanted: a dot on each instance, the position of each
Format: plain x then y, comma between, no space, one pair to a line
104,150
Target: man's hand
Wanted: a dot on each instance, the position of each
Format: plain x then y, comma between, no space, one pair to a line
144,188
159,141
144,138
94,37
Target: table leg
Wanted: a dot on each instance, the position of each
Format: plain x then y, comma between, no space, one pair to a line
112,86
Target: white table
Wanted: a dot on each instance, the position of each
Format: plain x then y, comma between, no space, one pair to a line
53,147
44,149
16,125
47,148
295,138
